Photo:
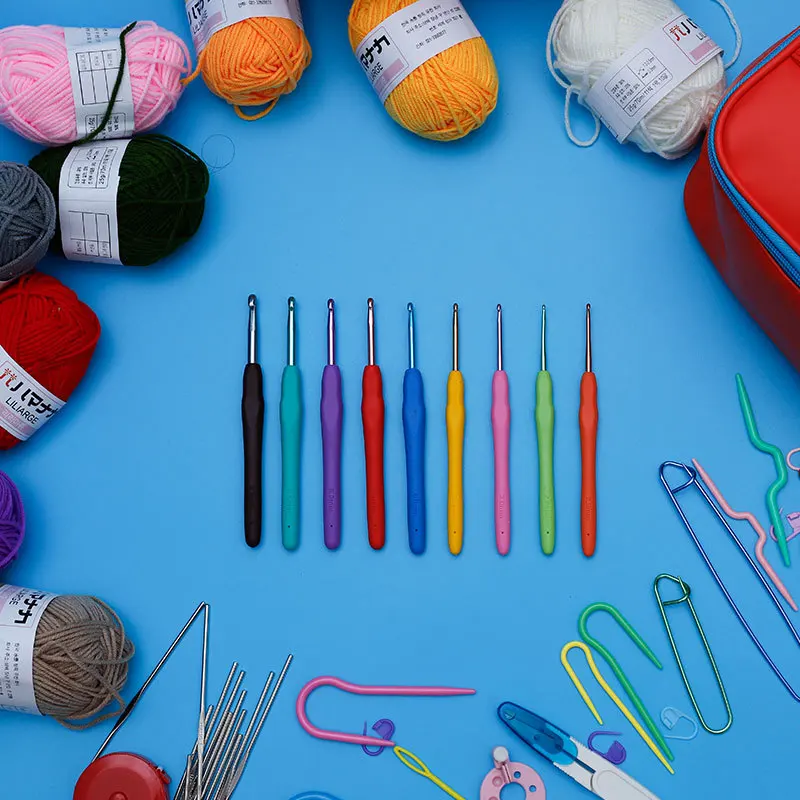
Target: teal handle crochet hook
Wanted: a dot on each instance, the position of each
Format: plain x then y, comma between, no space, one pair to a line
291,435
617,669
780,468
545,426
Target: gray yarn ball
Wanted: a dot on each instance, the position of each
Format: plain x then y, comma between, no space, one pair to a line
27,219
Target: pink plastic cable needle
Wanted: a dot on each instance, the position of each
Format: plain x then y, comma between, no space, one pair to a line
501,429
354,688
755,525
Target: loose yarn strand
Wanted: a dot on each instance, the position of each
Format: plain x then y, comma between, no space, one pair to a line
115,91
736,30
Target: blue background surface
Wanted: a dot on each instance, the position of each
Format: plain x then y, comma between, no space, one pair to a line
134,493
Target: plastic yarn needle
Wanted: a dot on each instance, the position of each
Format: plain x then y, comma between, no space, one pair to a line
545,425
416,765
780,468
331,412
610,692
501,429
414,433
456,422
291,410
755,525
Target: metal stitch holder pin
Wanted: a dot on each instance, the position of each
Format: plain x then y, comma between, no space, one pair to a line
686,597
693,481
507,772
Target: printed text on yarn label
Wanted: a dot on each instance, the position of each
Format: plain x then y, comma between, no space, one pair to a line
25,405
87,202
206,17
20,612
648,72
408,38
95,57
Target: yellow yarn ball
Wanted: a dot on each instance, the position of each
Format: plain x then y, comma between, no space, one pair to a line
446,98
254,62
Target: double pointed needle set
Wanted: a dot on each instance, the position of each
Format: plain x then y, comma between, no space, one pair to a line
373,418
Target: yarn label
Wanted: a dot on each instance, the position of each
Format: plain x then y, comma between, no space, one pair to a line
87,201
658,63
25,405
408,38
95,60
20,613
206,17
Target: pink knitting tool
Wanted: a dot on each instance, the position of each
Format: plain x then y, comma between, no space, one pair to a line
507,772
501,429
755,525
354,688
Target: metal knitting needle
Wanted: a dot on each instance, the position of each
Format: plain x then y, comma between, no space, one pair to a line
501,428
201,731
138,696
455,417
545,425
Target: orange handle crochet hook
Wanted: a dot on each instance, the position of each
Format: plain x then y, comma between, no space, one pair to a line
588,417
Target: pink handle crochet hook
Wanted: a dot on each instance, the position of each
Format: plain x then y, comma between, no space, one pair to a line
756,526
354,688
501,429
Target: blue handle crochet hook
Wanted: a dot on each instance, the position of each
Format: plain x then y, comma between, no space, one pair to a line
291,409
414,430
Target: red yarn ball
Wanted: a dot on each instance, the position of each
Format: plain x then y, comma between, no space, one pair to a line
49,332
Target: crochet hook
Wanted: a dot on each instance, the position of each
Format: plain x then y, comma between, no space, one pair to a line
253,433
331,411
456,419
414,432
587,420
545,425
501,429
291,431
372,417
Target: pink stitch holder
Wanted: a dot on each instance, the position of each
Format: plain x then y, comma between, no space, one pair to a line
506,772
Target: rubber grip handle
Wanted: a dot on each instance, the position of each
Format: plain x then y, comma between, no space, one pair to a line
291,434
588,417
456,421
331,413
372,417
545,426
414,432
501,428
253,437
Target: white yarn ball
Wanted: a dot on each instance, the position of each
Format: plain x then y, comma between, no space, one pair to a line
587,36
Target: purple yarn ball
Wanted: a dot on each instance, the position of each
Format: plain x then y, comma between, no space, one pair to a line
12,520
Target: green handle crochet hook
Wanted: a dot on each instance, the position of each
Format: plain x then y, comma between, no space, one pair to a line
780,468
617,669
291,434
545,424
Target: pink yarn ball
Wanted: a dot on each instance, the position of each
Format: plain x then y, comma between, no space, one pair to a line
36,92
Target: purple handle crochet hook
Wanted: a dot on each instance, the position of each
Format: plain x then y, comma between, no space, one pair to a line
331,412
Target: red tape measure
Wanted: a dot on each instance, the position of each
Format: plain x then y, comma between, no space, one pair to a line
122,776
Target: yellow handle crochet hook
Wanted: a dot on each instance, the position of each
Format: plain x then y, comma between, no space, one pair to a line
456,420
415,765
610,692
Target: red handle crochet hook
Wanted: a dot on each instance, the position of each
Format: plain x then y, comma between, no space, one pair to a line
587,419
372,417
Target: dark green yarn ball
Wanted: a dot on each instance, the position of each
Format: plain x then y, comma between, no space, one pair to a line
160,201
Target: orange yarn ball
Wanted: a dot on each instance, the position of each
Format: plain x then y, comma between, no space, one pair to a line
254,62
446,98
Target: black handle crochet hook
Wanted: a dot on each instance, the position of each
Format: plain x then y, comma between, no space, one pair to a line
253,432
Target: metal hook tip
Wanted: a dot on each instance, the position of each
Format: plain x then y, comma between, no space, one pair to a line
291,303
251,301
410,307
